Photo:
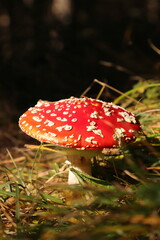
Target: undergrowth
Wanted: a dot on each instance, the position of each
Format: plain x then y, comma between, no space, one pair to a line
121,201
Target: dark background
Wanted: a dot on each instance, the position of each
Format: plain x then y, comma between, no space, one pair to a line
50,53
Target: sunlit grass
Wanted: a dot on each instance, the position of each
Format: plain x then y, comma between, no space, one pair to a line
121,201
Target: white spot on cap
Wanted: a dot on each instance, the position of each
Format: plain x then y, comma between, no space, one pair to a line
65,113
127,117
49,123
74,120
38,126
62,119
39,104
52,134
131,131
46,104
92,123
68,144
34,111
91,140
90,128
94,115
78,139
108,112
53,114
65,127
30,127
48,111
119,133
60,128
114,106
128,138
98,132
82,148
120,120
71,136
65,139
37,119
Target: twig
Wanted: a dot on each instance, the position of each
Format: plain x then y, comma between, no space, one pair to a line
42,148
151,44
7,215
116,90
19,159
87,90
149,111
118,67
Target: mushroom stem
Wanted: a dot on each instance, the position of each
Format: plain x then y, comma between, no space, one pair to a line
80,163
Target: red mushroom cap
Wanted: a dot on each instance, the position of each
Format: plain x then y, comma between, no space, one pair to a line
82,123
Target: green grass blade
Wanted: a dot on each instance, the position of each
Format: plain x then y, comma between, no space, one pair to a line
142,88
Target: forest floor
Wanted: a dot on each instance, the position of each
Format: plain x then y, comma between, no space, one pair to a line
121,201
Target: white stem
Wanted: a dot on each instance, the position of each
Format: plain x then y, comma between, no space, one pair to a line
80,163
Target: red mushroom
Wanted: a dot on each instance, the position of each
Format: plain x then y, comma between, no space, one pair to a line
82,125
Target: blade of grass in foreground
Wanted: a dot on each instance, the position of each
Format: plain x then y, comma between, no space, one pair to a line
17,211
142,88
19,178
83,177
